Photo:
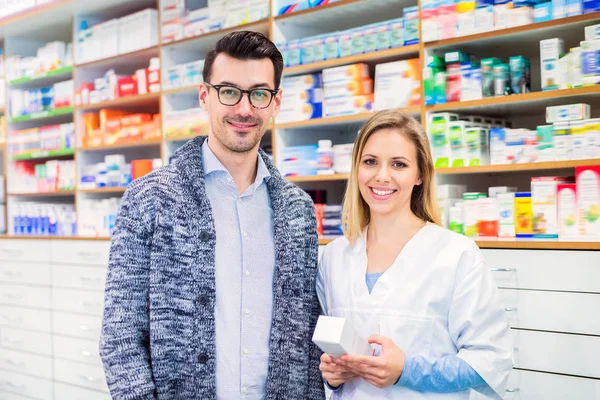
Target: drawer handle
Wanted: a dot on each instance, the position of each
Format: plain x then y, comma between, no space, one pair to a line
89,304
86,353
12,296
510,309
13,385
13,340
87,378
10,318
515,390
95,279
89,255
13,252
502,269
13,362
12,274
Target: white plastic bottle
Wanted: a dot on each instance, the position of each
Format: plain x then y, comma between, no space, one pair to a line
325,157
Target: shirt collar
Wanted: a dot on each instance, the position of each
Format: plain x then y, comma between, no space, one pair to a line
211,165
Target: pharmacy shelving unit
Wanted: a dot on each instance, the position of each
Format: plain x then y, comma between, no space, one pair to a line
51,288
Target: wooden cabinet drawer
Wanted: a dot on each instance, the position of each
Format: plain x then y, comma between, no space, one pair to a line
21,250
557,352
78,277
30,342
67,392
25,273
80,252
86,376
77,301
76,325
575,271
80,350
25,318
29,364
35,388
552,311
25,296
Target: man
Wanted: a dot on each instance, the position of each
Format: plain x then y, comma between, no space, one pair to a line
210,290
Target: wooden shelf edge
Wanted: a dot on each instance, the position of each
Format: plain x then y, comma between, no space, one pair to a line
318,178
141,143
108,59
183,89
515,98
59,193
518,167
53,74
21,237
339,120
512,30
523,244
22,15
373,56
220,32
311,10
128,100
537,244
118,189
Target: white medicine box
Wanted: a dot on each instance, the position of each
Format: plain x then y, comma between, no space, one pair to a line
336,337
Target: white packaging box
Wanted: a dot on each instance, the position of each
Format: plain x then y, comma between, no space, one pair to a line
108,39
592,32
506,209
336,337
345,73
567,112
550,51
494,191
395,86
543,203
450,191
138,31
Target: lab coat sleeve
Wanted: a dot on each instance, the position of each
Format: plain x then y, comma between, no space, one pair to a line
478,325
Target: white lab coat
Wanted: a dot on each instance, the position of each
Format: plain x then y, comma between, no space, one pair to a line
437,298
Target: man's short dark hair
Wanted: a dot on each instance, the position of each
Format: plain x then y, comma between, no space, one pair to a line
245,45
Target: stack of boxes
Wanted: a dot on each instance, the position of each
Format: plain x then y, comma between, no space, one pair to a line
110,127
329,221
302,98
178,21
181,75
580,66
117,36
347,90
397,84
188,122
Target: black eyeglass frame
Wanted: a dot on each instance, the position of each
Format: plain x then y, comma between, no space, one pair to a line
242,91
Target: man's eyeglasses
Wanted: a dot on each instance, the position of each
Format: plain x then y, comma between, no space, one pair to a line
231,95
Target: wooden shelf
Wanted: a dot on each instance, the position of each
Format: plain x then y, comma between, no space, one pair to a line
318,178
61,193
139,143
516,99
118,189
345,119
536,244
218,33
313,10
517,30
43,154
37,10
374,56
140,100
518,167
148,53
183,89
523,244
54,237
42,115
49,76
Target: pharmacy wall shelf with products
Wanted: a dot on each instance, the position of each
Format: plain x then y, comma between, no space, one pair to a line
90,106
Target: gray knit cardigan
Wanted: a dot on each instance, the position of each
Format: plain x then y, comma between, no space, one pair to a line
158,330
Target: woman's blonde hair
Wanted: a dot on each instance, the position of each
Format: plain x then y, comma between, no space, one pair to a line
423,199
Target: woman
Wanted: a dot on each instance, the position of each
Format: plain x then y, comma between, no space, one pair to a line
421,294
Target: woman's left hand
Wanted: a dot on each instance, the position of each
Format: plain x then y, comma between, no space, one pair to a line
381,371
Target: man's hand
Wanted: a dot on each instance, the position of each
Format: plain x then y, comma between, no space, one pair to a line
334,373
382,371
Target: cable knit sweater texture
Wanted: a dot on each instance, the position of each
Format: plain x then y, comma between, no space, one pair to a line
158,331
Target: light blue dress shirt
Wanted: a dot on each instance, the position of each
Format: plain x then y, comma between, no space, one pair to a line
245,265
